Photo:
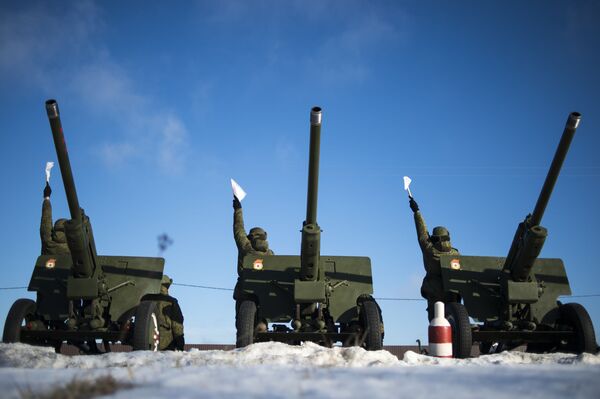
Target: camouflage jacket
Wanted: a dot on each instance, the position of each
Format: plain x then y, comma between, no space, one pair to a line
431,255
241,240
170,321
49,246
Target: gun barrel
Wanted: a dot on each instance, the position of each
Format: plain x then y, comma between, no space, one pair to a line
530,236
311,233
313,165
63,158
78,230
559,157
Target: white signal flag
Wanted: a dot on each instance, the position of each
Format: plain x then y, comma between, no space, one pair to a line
238,191
49,165
407,182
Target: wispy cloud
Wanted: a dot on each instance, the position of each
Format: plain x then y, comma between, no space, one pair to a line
151,133
35,42
41,41
173,145
347,35
345,55
115,154
107,86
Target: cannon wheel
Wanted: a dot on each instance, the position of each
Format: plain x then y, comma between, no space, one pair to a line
20,312
575,316
371,323
462,339
245,324
146,335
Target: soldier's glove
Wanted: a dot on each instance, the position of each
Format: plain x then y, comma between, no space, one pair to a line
236,203
179,342
47,190
413,205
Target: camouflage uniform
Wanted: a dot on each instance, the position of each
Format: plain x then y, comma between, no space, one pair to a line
170,318
432,288
54,241
244,244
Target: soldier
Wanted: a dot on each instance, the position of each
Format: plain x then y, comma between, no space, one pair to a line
54,240
433,246
170,318
255,242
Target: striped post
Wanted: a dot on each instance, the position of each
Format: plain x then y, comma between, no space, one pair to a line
440,333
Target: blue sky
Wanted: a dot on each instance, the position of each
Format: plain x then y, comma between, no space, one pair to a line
162,104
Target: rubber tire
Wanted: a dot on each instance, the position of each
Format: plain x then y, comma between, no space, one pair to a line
245,324
462,339
372,324
144,330
14,320
575,316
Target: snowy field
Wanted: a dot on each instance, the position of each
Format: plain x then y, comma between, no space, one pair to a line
274,370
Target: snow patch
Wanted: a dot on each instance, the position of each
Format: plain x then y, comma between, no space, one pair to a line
504,358
275,370
269,353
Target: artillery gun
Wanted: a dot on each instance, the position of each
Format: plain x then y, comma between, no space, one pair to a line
83,297
311,297
516,298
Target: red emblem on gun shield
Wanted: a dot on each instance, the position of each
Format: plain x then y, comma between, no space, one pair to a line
258,264
50,263
455,264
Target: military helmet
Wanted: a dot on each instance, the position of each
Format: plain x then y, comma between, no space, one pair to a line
257,232
440,233
166,281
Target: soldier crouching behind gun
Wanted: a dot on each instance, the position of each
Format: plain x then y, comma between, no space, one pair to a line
54,240
432,246
253,243
170,318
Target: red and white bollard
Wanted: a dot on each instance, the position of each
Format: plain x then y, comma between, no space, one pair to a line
440,333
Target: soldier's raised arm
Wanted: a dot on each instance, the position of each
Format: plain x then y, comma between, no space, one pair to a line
422,234
239,232
46,222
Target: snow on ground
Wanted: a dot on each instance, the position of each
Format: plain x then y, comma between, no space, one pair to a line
275,370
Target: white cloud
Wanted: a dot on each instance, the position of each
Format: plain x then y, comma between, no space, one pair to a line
36,41
353,32
345,55
201,97
52,47
105,85
115,154
173,146
150,133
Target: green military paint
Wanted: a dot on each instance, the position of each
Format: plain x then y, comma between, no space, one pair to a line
326,299
516,298
81,296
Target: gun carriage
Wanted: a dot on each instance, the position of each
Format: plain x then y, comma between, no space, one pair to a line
82,297
515,298
311,297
